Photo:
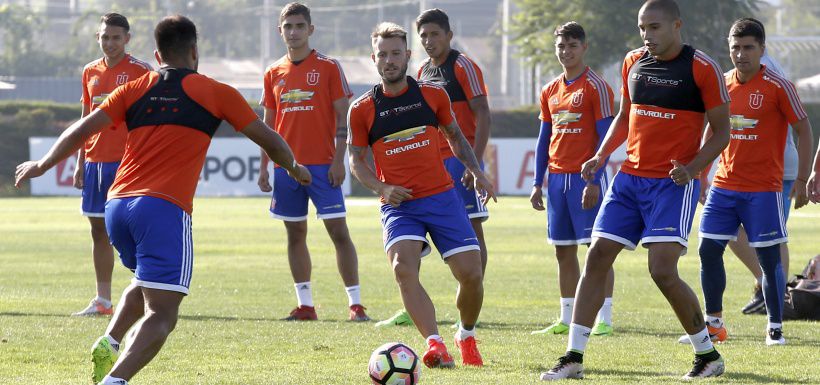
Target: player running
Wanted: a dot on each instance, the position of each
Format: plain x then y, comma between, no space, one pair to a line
305,89
668,87
98,160
576,111
464,83
171,115
398,120
748,185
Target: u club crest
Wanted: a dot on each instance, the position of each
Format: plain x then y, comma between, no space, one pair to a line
122,79
755,100
577,98
313,78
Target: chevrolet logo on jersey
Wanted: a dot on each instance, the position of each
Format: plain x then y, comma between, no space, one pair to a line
99,99
405,135
296,96
565,117
739,122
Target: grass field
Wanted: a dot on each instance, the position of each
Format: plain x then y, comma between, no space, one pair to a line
229,332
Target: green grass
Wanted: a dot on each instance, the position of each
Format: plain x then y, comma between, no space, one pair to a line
230,334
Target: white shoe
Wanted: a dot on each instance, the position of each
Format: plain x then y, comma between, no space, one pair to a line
95,308
703,368
564,369
775,337
684,339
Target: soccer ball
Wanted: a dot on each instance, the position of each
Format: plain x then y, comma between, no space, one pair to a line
394,363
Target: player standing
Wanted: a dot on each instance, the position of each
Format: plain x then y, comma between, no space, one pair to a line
171,115
668,87
576,111
306,101
398,120
98,160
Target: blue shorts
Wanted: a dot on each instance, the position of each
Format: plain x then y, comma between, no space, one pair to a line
787,202
97,179
441,215
760,213
647,210
567,222
290,199
153,237
472,202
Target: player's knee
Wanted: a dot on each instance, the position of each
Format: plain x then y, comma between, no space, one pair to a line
472,277
339,235
404,272
663,276
297,232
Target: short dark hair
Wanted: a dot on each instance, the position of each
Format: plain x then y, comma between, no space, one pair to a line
435,16
294,8
389,30
748,26
669,7
115,20
571,30
175,36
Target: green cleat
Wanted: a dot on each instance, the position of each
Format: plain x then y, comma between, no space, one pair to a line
103,356
401,318
602,329
556,328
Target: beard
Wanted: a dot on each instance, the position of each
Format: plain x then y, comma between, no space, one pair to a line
400,75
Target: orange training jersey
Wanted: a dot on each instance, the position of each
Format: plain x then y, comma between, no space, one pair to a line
402,131
302,97
669,102
98,82
463,81
171,115
573,111
761,109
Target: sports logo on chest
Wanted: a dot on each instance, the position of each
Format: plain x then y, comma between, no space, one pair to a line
312,78
755,100
577,98
122,79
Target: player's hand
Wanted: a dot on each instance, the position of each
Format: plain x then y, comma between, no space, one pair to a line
799,194
704,190
590,167
484,188
813,188
336,174
536,198
591,196
27,170
264,181
679,173
301,174
467,180
394,195
79,174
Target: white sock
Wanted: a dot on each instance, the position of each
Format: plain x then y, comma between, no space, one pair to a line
701,342
605,314
114,343
462,334
354,295
773,325
715,322
566,310
434,337
103,301
108,380
578,338
304,294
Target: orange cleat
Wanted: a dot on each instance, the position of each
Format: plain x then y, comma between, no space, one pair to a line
302,313
357,313
717,335
469,352
436,355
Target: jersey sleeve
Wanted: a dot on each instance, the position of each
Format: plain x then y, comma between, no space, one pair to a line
788,101
710,80
439,101
545,114
602,98
268,98
338,82
470,78
233,107
357,123
117,103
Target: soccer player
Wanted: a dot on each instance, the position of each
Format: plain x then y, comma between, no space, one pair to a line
668,87
306,100
576,111
98,160
171,115
398,120
748,185
464,83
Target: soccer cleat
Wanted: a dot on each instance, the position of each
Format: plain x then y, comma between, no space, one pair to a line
103,357
602,329
775,337
401,318
717,335
469,352
302,313
357,313
755,304
556,328
707,365
436,355
94,308
567,367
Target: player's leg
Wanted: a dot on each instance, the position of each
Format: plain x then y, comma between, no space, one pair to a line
784,247
746,254
469,300
478,228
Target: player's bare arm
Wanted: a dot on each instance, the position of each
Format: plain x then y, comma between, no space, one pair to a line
462,150
69,142
804,146
79,168
391,194
263,181
276,149
704,174
615,136
336,173
718,119
481,110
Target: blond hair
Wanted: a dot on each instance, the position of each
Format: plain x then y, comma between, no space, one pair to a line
387,30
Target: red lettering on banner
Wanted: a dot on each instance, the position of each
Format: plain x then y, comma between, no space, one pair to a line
65,172
526,172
